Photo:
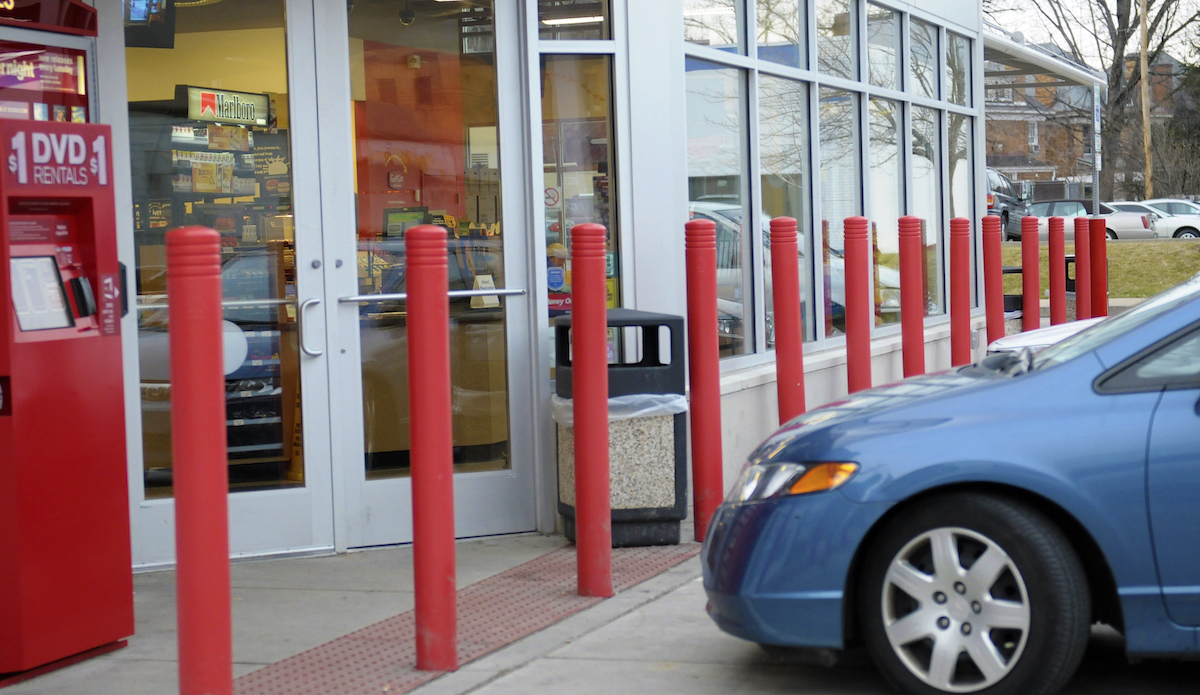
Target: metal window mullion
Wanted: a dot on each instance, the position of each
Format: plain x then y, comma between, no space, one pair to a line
712,55
620,105
749,28
943,45
581,47
810,35
815,214
754,180
943,235
978,157
858,28
751,237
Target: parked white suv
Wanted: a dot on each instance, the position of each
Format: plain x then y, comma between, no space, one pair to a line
1179,226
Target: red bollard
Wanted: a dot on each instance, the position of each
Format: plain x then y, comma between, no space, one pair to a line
704,372
1083,270
202,591
993,278
960,291
857,274
1031,280
432,452
1058,272
789,326
1099,241
912,295
589,347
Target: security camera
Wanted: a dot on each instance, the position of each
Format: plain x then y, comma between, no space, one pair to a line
407,16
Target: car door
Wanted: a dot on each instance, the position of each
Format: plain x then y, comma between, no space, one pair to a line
1173,467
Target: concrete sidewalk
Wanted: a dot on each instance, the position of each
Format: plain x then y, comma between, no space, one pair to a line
280,608
657,640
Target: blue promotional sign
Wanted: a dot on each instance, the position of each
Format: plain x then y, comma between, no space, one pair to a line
556,279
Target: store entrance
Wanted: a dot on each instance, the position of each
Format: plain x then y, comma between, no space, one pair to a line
432,144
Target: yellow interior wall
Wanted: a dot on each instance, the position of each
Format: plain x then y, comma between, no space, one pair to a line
246,60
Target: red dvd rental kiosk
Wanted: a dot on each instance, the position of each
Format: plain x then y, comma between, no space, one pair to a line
66,585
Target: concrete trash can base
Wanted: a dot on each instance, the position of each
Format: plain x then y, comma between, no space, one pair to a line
647,433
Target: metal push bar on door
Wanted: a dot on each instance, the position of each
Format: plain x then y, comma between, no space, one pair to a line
402,296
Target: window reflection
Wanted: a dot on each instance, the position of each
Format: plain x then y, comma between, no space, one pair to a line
233,175
958,69
883,47
923,62
836,47
887,196
781,31
783,137
717,162
716,23
962,179
841,194
426,148
927,200
573,19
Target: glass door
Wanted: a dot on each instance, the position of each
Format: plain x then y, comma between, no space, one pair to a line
222,125
431,110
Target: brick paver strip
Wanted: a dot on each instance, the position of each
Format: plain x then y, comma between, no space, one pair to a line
492,613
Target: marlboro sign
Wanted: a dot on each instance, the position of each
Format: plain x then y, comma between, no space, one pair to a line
220,106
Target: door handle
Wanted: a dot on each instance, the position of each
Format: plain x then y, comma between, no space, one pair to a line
453,294
300,327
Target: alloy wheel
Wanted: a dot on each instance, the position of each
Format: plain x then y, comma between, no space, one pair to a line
955,610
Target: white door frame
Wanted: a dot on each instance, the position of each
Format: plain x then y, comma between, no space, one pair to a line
378,512
298,520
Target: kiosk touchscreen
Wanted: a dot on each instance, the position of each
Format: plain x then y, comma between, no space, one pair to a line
66,586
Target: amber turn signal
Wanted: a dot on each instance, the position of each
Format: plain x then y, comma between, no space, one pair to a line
823,476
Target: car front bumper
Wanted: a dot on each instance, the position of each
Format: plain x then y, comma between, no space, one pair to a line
775,571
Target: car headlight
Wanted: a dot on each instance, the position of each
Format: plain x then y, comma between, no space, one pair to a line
766,480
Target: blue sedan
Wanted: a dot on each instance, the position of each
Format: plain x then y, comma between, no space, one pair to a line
968,527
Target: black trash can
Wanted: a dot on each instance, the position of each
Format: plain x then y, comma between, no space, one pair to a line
647,453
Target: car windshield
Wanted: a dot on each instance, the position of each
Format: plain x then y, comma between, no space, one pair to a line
1117,326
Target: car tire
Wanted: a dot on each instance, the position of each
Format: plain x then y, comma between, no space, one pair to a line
1111,234
1187,233
1031,604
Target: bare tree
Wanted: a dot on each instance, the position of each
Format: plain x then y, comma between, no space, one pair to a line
1107,31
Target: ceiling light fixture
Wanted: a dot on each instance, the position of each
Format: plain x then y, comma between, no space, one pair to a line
572,20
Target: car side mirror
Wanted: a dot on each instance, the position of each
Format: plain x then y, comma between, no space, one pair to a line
1024,197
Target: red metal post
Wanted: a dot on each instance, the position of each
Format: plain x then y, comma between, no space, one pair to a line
857,274
589,347
789,327
960,291
1083,270
1058,272
1031,279
1099,241
912,295
432,453
993,278
704,374
201,479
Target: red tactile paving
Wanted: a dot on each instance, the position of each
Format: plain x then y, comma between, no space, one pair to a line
492,613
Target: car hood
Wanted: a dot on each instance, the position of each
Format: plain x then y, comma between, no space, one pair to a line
1042,337
789,442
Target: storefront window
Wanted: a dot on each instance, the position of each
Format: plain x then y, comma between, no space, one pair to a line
573,19
784,150
883,47
210,146
578,166
923,61
716,23
927,200
958,69
837,51
841,195
781,30
427,152
717,190
887,195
